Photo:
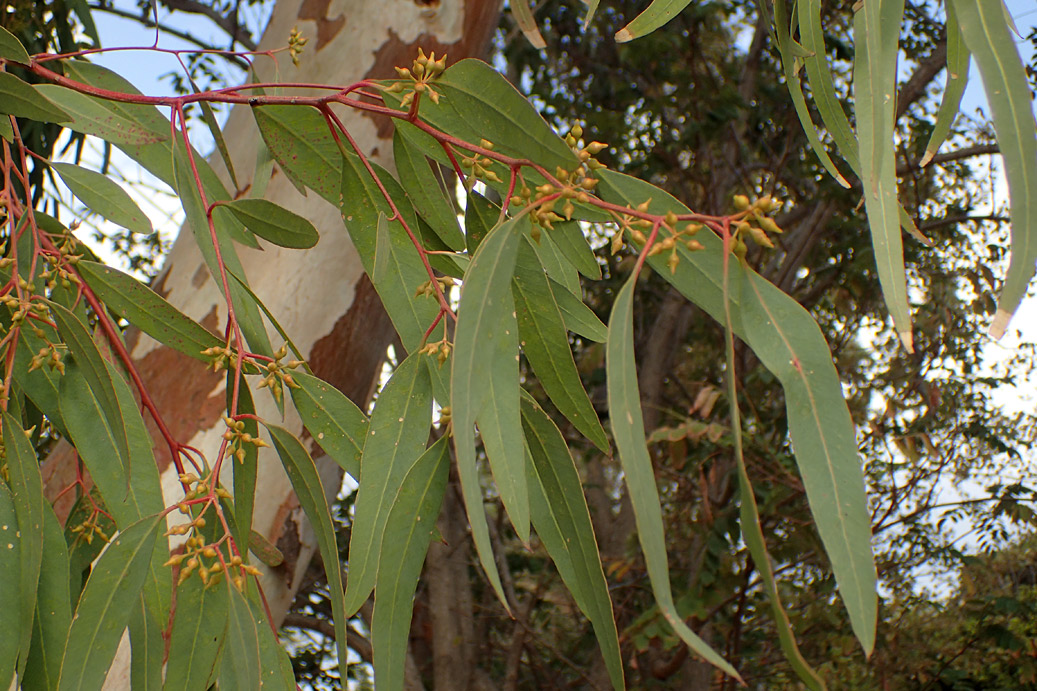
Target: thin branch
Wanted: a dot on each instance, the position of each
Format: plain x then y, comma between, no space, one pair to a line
228,23
149,23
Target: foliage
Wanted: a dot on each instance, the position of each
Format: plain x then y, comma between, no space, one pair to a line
517,263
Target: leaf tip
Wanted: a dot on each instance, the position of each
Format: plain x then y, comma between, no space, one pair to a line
907,338
1000,324
927,158
624,35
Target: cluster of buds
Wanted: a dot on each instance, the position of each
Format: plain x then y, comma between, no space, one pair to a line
89,529
50,355
753,221
296,42
237,438
585,153
479,166
57,265
22,309
209,563
428,288
678,235
441,349
423,71
199,489
276,377
223,357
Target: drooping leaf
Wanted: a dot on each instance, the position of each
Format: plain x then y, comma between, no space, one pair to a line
241,664
546,345
484,317
958,57
22,100
53,614
105,607
395,438
104,196
273,223
578,317
408,530
569,238
654,16
147,310
246,467
425,191
12,49
527,23
333,420
276,669
563,522
10,586
147,649
1008,92
876,34
480,216
308,488
199,631
299,140
91,115
93,369
26,483
217,134
629,435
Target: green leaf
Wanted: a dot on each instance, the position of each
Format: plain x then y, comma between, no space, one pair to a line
199,632
217,135
579,318
312,497
23,470
334,421
563,522
91,115
546,345
105,607
92,366
6,130
876,35
147,310
426,191
395,439
241,665
146,649
485,317
273,223
276,669
1008,92
629,434
958,57
300,142
53,614
21,100
408,530
10,587
104,196
524,18
265,550
555,263
12,49
789,343
654,16
569,238
480,216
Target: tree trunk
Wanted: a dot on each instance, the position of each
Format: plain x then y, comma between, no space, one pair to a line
322,297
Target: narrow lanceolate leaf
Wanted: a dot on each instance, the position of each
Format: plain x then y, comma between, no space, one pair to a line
563,522
790,344
527,23
654,16
629,434
90,115
569,238
308,488
217,135
10,587
199,631
957,77
23,471
408,531
147,648
21,100
106,605
426,191
1008,92
299,140
273,223
578,317
241,665
246,467
276,669
485,315
53,614
876,28
104,196
92,366
334,421
12,49
592,7
546,345
395,439
752,531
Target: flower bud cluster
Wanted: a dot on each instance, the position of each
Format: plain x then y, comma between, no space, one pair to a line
428,288
754,222
423,71
674,234
237,439
479,165
276,378
441,349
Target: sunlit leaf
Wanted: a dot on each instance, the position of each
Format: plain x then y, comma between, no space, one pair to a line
408,530
654,16
22,100
527,23
102,614
958,57
629,435
395,438
104,196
